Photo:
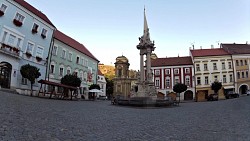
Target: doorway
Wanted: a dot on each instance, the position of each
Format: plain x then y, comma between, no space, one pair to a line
5,74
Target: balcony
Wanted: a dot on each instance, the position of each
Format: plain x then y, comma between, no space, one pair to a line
10,50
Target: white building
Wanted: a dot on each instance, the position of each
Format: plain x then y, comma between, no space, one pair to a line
101,81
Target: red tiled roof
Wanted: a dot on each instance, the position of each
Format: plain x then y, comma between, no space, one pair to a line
172,61
236,48
208,52
73,43
100,73
34,11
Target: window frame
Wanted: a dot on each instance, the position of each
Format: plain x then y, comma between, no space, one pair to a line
18,18
31,52
1,8
42,51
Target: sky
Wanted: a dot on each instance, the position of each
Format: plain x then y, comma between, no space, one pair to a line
110,28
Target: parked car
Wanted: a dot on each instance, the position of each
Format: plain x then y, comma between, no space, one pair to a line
231,94
212,97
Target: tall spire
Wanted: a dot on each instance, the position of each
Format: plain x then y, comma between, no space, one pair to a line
146,36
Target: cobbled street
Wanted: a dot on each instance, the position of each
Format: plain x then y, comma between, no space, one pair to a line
25,118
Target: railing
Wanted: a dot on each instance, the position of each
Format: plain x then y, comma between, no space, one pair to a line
10,50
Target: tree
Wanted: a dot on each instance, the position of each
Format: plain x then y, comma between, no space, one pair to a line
31,73
179,88
216,86
94,86
71,80
109,87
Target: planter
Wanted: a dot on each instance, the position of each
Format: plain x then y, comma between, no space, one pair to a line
38,58
15,50
28,54
43,36
1,13
17,23
34,31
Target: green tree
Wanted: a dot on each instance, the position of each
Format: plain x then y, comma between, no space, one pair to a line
71,80
179,88
109,87
216,86
31,73
94,86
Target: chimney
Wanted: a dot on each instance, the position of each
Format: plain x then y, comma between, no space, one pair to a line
212,46
201,47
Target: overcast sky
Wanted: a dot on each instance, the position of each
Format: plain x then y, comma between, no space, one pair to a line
110,28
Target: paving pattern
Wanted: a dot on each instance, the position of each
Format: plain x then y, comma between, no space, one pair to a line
25,118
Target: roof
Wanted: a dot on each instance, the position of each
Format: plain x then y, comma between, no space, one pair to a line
34,11
208,52
100,73
236,48
73,43
172,61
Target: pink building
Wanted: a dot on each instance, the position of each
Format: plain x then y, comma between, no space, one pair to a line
169,71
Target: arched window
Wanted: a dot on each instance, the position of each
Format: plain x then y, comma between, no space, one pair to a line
68,70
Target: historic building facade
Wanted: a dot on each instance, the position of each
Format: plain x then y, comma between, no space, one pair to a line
69,56
25,37
211,65
123,84
101,81
241,59
170,71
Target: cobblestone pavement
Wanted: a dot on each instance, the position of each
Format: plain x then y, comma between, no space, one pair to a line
25,118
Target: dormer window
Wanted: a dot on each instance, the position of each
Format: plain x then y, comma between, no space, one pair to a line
18,21
44,33
35,28
2,9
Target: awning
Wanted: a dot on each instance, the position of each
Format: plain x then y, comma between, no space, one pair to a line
228,87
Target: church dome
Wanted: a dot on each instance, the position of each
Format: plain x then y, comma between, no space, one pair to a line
122,58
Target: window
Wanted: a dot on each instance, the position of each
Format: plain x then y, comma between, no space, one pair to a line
85,76
82,60
223,65
61,71
157,72
77,60
167,71
176,71
35,28
238,75
54,52
176,79
187,70
119,72
197,67
229,65
52,68
224,79
205,67
237,62
241,62
246,74
3,8
63,54
187,80
11,40
39,51
24,81
198,80
44,33
206,80
157,82
81,75
214,66
215,78
4,36
18,42
231,78
70,57
68,70
19,17
245,62
168,81
243,74
30,47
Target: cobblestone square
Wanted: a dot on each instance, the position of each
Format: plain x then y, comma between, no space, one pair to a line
25,118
